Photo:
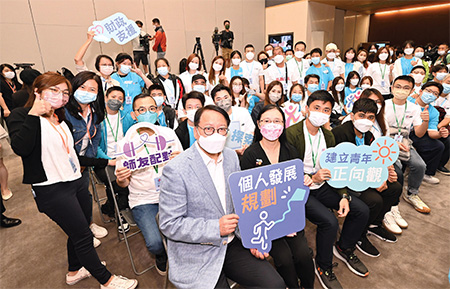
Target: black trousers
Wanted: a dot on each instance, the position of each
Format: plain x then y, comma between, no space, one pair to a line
380,203
317,211
247,270
69,205
293,260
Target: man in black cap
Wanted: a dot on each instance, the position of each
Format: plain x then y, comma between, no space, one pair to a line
28,75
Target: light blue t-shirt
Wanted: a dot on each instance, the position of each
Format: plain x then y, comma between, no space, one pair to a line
432,111
191,135
325,74
132,84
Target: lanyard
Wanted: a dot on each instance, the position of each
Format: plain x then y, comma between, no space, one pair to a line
384,70
298,67
66,146
314,155
251,69
148,153
117,128
404,115
13,86
88,126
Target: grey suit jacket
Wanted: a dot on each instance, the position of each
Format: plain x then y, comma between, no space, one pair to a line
189,210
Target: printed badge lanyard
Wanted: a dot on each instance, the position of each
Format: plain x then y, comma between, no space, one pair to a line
314,155
148,153
382,73
403,119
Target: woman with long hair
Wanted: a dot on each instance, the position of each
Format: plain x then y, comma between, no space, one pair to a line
42,138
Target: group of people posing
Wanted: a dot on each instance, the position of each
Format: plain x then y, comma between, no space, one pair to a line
285,105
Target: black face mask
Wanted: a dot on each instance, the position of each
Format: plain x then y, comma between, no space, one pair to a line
263,61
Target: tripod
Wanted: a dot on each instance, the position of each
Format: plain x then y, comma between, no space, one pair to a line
198,49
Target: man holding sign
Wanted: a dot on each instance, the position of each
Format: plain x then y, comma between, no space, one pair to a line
310,139
143,153
379,200
197,214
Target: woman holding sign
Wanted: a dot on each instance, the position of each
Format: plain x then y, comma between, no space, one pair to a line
291,254
41,136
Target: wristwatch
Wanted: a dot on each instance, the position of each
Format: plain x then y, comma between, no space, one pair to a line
347,196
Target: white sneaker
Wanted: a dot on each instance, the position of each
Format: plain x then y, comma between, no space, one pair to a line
119,282
431,179
83,273
99,232
97,242
398,218
390,224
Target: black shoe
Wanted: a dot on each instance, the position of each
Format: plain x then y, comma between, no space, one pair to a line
382,234
161,264
444,171
9,222
367,248
107,210
327,278
351,260
126,226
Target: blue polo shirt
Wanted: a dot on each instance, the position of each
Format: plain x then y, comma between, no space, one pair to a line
133,85
325,74
432,111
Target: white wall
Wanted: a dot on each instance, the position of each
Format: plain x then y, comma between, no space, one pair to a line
317,24
60,27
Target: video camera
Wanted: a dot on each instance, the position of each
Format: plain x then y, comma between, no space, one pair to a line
144,41
23,65
216,39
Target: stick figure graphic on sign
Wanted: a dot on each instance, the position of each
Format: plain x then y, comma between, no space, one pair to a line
261,237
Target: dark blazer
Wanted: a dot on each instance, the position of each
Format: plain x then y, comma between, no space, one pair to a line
182,132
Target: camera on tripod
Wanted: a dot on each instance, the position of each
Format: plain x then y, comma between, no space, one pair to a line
144,41
23,65
216,39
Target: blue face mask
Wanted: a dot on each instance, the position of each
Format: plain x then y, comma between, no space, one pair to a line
125,69
296,97
313,87
315,60
428,97
84,97
163,70
150,117
446,88
199,88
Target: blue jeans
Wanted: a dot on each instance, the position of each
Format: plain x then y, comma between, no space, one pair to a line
144,215
417,169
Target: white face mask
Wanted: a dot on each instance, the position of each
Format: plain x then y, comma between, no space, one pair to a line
236,61
193,66
364,86
361,58
373,51
331,55
350,56
274,96
441,52
213,144
363,125
217,67
354,81
408,51
318,119
278,59
106,69
159,100
440,75
339,87
250,55
418,78
299,54
9,74
270,53
190,114
383,56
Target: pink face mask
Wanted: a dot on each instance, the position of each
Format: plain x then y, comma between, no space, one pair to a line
56,101
271,131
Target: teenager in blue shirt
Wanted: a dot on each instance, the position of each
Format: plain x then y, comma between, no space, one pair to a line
320,69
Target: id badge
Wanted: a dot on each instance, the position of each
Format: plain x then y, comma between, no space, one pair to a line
72,164
157,183
128,100
285,87
383,83
322,86
398,137
301,81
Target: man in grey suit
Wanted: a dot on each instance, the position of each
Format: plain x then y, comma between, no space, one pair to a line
197,214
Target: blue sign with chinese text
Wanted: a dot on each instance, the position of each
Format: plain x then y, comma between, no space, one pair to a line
117,27
270,202
360,167
236,137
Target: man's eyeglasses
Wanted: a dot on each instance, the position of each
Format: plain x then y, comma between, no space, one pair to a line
209,130
143,109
